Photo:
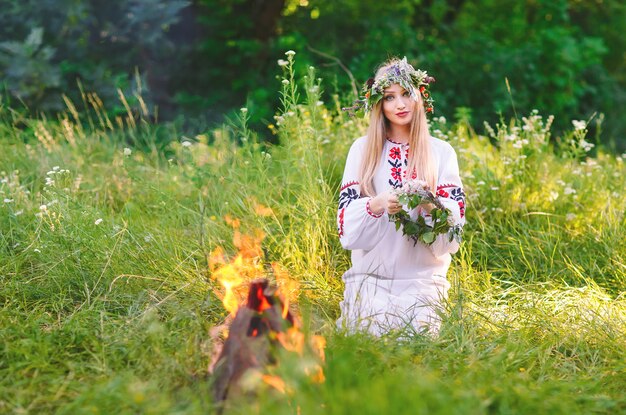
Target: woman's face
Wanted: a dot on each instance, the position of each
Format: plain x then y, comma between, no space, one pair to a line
398,106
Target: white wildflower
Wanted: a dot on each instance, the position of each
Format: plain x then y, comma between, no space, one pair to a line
186,143
480,183
98,221
290,53
18,213
127,151
553,196
8,200
570,216
569,191
56,168
319,103
494,188
285,82
43,208
579,125
243,110
282,62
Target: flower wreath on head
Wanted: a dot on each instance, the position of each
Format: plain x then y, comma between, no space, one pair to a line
403,74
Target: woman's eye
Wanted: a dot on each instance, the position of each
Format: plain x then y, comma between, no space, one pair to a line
406,94
388,97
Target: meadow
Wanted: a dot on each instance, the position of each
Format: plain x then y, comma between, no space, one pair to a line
108,227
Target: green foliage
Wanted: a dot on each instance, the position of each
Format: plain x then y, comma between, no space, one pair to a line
557,58
97,42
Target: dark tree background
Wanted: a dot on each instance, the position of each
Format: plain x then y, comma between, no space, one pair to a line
204,58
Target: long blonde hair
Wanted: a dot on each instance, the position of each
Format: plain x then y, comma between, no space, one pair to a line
420,154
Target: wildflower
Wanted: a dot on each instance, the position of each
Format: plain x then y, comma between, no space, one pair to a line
553,196
56,168
579,125
243,110
285,82
568,190
570,217
480,183
319,103
98,221
43,208
282,62
8,200
186,144
18,213
127,151
290,53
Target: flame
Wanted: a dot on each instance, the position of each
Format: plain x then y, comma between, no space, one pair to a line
263,303
249,245
289,287
262,210
230,278
275,382
318,343
292,340
234,277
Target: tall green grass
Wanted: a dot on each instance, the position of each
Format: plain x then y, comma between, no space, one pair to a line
106,295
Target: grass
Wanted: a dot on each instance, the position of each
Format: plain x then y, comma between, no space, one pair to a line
107,297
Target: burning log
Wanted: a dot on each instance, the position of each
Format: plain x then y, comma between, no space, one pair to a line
253,334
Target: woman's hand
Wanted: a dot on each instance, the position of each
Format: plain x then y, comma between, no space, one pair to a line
426,207
385,201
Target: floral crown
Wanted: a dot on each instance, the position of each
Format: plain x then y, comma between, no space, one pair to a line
401,73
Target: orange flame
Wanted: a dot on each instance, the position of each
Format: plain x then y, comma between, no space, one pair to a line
275,382
292,340
234,278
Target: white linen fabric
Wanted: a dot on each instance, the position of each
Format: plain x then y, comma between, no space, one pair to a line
394,283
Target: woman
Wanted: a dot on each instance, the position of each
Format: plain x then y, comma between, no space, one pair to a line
395,283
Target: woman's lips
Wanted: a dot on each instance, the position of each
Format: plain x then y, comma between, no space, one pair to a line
402,114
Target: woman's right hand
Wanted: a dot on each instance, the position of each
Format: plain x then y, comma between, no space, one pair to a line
385,201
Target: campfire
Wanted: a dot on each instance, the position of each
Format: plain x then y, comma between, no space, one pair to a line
250,341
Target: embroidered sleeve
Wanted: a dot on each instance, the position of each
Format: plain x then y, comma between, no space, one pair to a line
450,193
357,225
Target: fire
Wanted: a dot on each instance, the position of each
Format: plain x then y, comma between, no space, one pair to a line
259,316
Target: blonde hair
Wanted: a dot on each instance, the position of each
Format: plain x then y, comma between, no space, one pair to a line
420,155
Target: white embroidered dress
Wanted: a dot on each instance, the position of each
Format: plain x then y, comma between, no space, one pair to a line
394,283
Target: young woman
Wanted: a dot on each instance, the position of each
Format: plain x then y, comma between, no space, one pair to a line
395,283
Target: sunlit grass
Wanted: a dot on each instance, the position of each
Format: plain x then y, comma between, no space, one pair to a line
106,296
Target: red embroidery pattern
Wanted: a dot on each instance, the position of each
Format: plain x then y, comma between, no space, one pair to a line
369,211
348,185
455,193
341,213
395,156
394,153
347,194
396,173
